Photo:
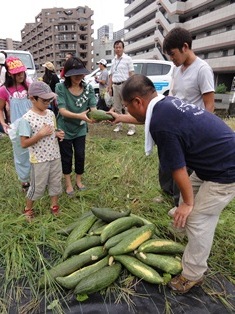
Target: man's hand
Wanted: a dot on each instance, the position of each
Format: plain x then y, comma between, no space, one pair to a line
181,214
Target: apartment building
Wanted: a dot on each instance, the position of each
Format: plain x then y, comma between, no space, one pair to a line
56,32
211,23
105,31
103,45
9,44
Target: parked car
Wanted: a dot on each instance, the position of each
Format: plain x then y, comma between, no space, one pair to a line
158,71
27,59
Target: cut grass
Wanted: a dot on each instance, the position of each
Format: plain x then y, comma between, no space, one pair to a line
118,175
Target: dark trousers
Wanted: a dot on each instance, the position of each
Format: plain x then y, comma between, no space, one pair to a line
101,104
168,185
75,147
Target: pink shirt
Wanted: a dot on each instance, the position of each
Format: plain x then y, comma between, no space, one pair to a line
20,93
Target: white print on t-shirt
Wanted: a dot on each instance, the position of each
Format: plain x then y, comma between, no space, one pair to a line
183,107
20,95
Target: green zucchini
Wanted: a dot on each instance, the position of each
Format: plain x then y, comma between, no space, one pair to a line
109,215
98,231
98,223
133,241
118,237
145,221
99,115
139,269
70,281
98,280
161,246
81,229
72,264
81,245
166,263
66,230
96,250
119,225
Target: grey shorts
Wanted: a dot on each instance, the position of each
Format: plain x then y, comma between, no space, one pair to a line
45,175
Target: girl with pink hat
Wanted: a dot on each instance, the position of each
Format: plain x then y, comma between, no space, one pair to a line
14,93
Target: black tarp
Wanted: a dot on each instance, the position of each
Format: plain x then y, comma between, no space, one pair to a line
154,299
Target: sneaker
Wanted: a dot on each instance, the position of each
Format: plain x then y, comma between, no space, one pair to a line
29,215
158,199
117,129
131,132
55,210
172,211
182,285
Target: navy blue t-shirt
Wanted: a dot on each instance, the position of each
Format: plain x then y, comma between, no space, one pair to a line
187,135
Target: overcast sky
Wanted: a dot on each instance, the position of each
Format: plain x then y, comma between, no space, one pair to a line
14,15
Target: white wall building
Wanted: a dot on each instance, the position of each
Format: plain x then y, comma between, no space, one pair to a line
211,23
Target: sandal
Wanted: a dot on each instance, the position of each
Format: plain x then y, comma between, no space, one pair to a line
55,210
29,214
83,188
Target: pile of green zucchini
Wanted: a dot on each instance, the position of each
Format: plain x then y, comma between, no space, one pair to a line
102,242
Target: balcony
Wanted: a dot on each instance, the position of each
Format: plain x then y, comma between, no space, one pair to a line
142,16
140,44
223,64
222,16
144,28
219,41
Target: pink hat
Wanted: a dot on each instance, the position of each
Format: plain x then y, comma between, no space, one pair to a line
15,65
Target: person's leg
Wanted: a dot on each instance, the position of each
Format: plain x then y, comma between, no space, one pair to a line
210,200
66,151
101,105
54,184
79,151
38,183
117,105
22,163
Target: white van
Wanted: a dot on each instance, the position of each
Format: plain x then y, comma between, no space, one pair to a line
27,59
158,71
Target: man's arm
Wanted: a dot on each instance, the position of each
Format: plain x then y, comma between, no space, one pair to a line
183,182
208,99
125,118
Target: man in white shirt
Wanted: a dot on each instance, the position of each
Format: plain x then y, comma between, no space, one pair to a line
121,69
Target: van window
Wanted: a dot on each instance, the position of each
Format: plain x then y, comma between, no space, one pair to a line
166,69
138,68
153,69
25,58
157,69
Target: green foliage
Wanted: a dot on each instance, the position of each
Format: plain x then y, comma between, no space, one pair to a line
221,89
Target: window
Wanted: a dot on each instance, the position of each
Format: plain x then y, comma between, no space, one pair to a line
154,69
138,68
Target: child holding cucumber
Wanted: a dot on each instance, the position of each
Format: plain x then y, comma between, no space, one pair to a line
37,130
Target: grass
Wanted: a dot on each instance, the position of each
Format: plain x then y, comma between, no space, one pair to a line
118,175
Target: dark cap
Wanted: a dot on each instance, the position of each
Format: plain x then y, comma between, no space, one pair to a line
77,68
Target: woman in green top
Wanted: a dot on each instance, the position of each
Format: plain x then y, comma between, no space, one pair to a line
75,99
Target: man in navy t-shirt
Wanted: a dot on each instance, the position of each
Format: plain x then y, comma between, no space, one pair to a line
187,136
